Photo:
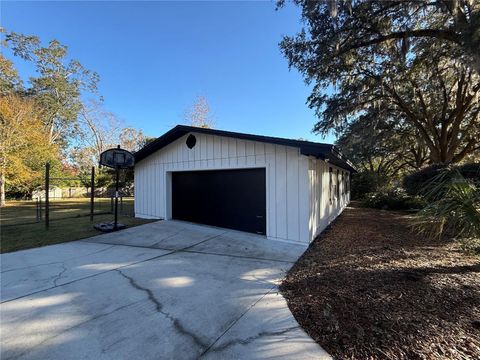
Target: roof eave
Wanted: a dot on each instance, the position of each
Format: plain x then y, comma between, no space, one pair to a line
325,152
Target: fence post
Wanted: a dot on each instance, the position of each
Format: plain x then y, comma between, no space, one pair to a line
92,190
47,190
38,210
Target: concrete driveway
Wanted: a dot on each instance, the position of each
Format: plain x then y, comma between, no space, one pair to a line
165,290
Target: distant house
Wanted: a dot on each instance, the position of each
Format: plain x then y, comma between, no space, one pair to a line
55,192
282,188
75,191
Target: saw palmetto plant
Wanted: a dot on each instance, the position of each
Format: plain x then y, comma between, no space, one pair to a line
453,207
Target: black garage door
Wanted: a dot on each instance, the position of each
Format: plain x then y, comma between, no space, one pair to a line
233,199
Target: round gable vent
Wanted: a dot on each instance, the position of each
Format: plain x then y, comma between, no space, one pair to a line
191,141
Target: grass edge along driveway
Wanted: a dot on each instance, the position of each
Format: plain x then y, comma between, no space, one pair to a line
25,236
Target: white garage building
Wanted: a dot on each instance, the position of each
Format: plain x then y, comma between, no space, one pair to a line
285,189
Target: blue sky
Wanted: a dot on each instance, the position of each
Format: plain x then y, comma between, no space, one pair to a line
155,58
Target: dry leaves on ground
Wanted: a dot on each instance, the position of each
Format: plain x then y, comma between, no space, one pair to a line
368,288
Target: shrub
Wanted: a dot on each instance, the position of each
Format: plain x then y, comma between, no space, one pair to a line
416,183
365,182
470,171
392,199
453,207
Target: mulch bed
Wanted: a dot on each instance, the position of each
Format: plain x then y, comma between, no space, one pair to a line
369,288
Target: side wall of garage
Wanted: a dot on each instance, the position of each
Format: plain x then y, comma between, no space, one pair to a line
329,189
287,179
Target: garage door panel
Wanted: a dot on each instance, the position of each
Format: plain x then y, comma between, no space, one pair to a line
226,198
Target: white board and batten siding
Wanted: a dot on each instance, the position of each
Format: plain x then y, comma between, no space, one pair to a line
326,203
289,180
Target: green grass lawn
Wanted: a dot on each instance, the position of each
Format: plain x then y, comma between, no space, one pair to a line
20,212
68,222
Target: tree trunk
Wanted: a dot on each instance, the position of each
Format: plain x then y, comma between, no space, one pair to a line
2,189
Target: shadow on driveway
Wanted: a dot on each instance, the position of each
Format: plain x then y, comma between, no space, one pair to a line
159,291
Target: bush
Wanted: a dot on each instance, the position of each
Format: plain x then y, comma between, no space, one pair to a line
416,183
365,182
392,199
453,207
470,171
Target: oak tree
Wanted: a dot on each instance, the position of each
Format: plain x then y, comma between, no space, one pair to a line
413,60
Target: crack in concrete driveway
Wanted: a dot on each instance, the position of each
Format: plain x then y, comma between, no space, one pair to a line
214,289
159,307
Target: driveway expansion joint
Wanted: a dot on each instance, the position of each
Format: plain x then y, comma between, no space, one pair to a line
106,271
236,321
84,278
188,249
158,308
46,340
60,262
237,256
168,237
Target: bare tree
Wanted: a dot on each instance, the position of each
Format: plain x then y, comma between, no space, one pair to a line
99,130
199,114
132,139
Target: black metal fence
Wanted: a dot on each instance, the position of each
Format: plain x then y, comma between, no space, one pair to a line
45,206
64,208
33,211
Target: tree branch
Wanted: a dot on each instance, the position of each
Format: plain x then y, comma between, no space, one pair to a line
435,33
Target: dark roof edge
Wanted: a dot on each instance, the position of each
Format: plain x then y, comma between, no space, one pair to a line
323,151
338,153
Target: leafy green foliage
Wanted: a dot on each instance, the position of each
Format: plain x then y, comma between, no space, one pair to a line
418,182
364,25
9,79
382,145
103,178
64,127
470,171
407,61
365,182
453,207
59,86
392,199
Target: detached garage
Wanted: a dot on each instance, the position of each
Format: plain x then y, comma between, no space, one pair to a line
285,189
